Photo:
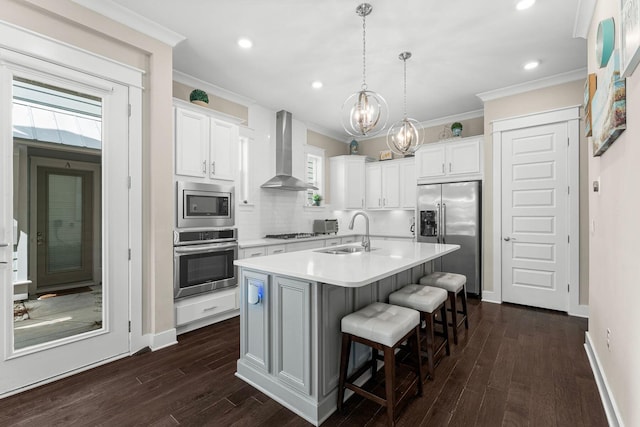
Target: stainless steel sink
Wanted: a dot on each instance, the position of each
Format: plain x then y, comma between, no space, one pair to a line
342,251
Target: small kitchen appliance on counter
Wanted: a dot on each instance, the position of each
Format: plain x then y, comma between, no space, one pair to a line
325,226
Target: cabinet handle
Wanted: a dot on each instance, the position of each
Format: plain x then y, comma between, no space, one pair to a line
362,203
255,254
213,168
278,251
449,166
204,166
210,308
384,202
443,168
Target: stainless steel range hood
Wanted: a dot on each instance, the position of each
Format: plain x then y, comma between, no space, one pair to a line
283,179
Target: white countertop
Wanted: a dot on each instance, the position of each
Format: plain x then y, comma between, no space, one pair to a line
350,270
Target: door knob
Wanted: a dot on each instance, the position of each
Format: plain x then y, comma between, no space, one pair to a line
506,239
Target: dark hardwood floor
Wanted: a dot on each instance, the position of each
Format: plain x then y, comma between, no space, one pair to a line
516,366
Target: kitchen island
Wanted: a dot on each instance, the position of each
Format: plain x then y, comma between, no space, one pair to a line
290,310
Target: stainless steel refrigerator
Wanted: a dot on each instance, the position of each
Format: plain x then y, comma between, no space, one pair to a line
450,213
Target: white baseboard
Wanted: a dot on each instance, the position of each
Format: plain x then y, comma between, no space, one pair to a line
608,401
163,339
490,296
580,311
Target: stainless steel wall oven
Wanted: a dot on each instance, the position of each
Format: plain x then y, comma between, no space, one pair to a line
203,260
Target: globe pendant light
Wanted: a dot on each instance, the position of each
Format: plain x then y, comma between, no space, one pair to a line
406,134
365,112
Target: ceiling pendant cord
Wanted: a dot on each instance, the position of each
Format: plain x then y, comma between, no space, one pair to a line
364,113
405,135
364,14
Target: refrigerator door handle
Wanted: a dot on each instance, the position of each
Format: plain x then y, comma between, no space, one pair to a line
439,224
444,222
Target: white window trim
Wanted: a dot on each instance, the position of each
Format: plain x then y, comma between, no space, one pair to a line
317,152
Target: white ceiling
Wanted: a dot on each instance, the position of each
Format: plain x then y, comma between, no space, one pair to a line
460,48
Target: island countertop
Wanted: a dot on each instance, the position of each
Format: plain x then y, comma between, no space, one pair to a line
350,270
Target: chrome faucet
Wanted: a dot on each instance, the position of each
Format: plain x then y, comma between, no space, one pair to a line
366,240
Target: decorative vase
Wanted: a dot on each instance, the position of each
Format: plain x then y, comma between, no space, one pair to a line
456,131
353,147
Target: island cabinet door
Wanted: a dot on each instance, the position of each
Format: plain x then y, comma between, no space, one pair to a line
254,319
292,333
335,303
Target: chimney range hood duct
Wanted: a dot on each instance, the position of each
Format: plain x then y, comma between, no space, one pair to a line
283,179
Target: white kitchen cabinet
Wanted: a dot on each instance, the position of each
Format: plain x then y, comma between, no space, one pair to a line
205,144
349,239
383,185
450,160
333,242
302,246
206,309
252,252
408,183
276,249
192,143
348,181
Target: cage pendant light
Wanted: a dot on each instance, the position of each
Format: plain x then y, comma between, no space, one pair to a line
406,134
364,113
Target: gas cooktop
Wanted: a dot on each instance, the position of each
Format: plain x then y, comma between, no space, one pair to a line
290,236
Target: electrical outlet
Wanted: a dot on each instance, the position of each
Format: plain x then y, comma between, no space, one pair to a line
608,339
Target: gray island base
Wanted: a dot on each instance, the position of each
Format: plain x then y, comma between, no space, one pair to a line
290,310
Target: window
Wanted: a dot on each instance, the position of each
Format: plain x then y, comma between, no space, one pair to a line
314,171
243,187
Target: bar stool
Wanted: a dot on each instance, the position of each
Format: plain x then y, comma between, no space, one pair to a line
454,284
428,301
382,327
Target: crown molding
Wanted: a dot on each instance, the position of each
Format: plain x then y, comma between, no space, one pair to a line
453,118
584,15
133,20
195,82
558,79
327,132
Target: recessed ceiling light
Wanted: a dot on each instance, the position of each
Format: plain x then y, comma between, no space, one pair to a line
316,84
531,65
524,4
245,43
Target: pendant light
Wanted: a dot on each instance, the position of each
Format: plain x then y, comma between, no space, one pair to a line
365,112
405,134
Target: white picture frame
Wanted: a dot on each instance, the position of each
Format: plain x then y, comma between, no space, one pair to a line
629,36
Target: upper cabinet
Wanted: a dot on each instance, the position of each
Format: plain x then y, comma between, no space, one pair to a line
348,181
205,142
450,160
383,185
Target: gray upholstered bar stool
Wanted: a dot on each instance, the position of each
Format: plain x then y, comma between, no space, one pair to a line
454,284
383,327
428,301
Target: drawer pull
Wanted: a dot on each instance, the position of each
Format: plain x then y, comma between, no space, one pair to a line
210,308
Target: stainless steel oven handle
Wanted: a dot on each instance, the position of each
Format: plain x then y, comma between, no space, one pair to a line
205,248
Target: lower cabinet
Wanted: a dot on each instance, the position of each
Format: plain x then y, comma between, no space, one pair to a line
202,310
255,324
292,332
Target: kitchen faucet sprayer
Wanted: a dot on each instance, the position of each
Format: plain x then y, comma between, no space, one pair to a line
366,240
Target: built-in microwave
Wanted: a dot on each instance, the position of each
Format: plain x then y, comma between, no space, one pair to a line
204,205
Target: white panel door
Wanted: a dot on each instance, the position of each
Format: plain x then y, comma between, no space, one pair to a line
535,216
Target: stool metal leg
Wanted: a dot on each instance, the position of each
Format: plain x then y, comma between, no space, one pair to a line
344,366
